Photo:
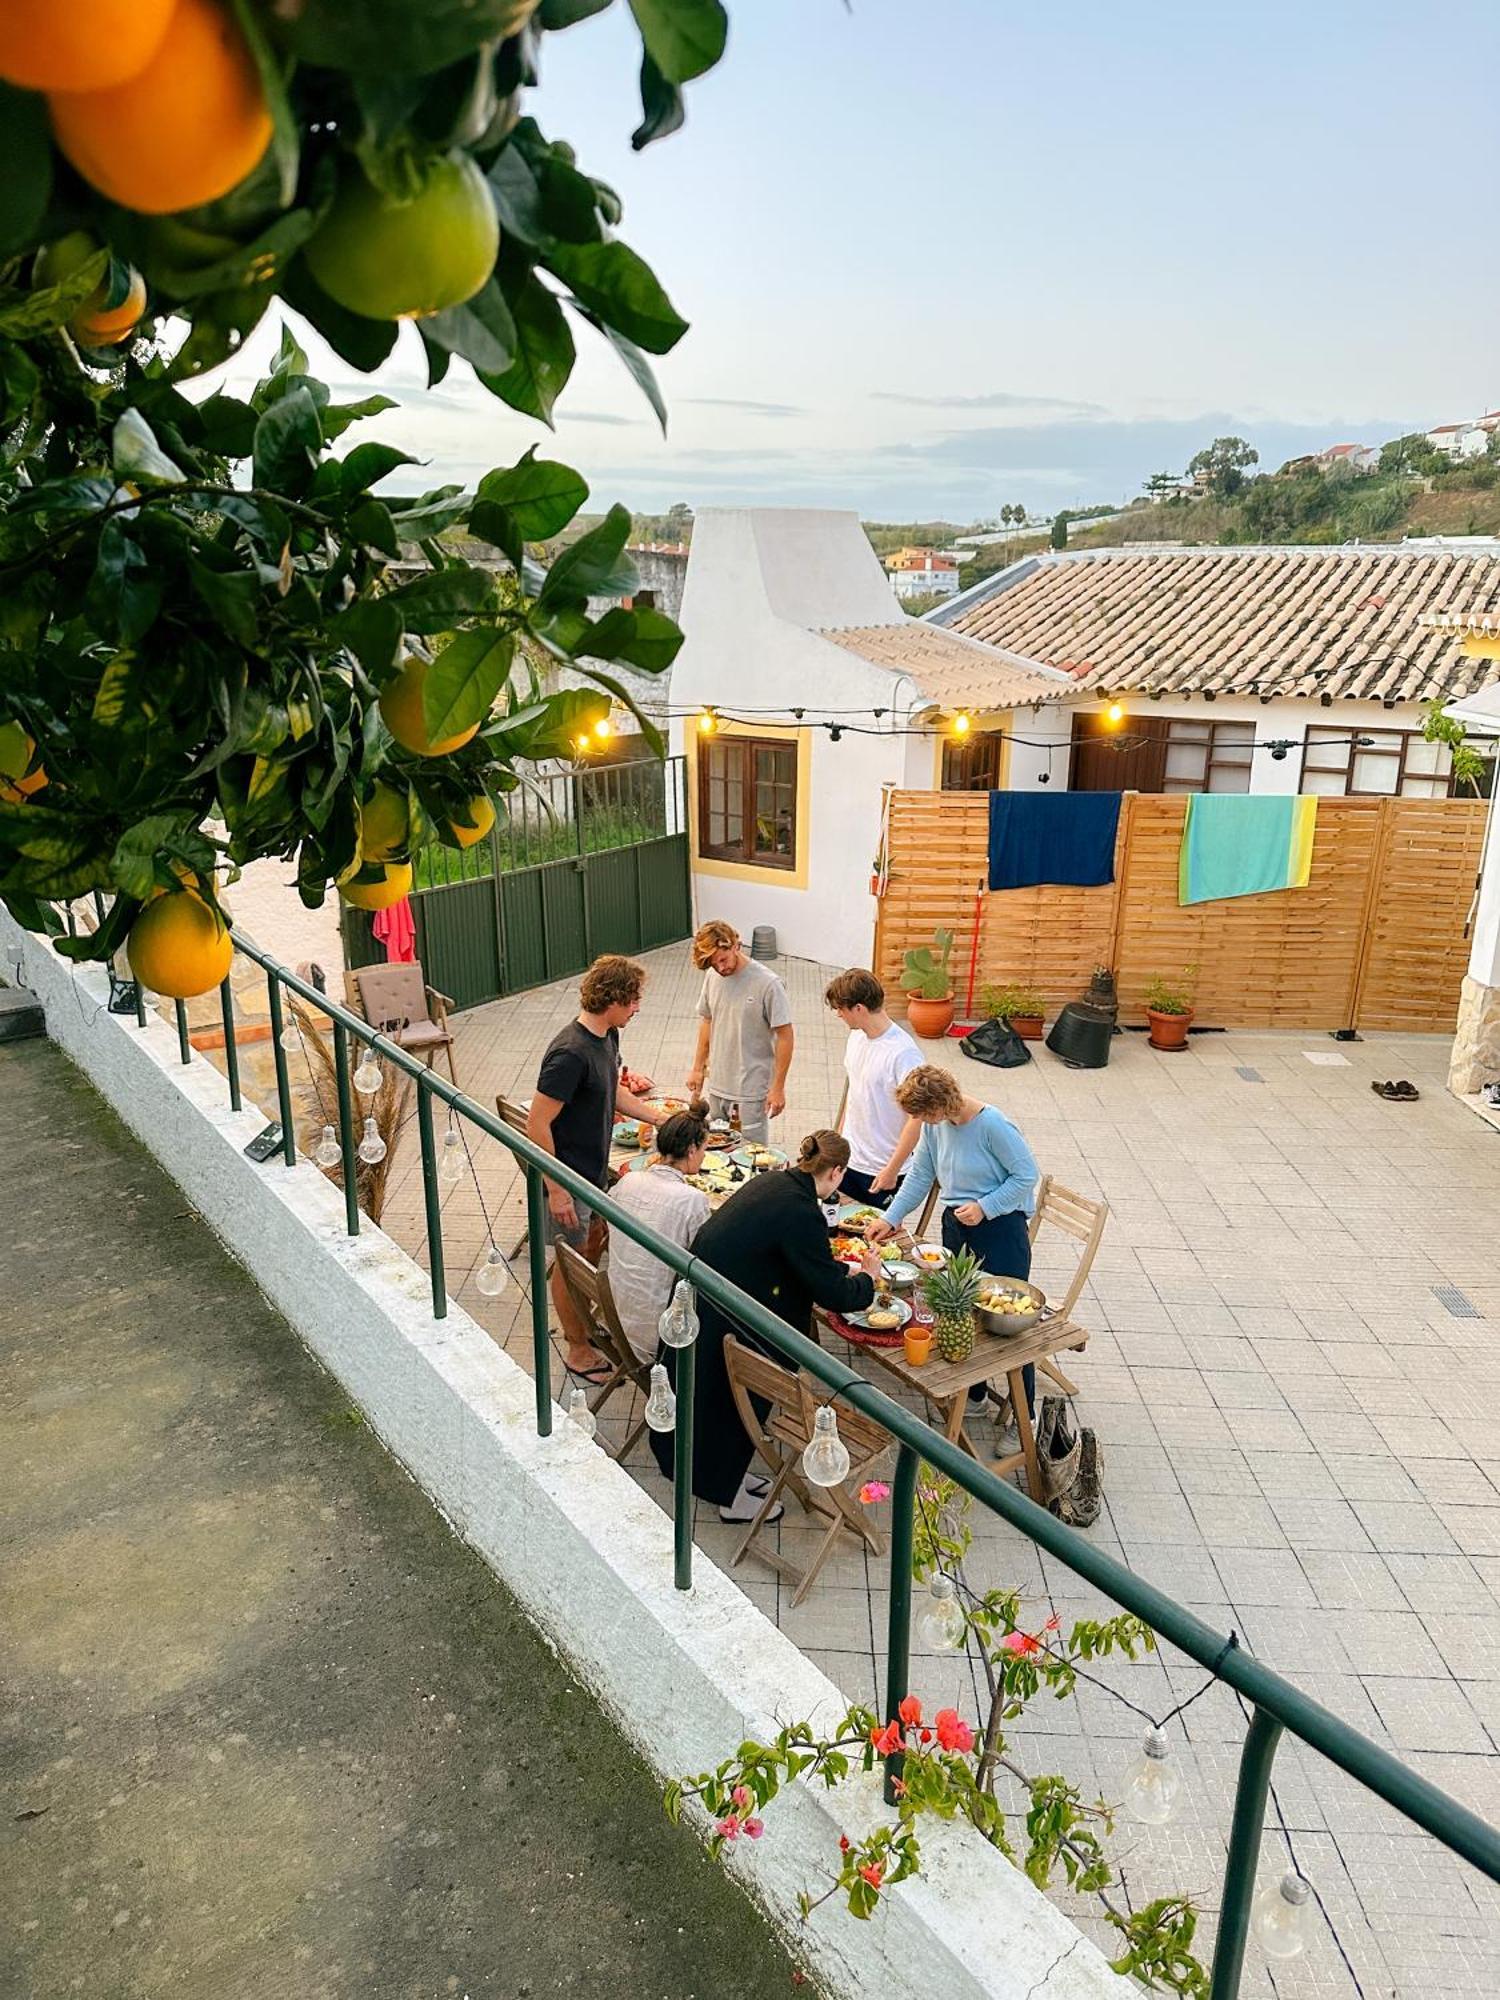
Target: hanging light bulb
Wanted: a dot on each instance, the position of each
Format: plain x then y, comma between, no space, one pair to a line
708,722
493,1275
327,1152
289,1038
372,1146
367,1076
661,1404
451,1160
580,1415
1116,711
602,729
1282,1917
583,745
678,1325
826,1459
1152,1782
941,1626
961,723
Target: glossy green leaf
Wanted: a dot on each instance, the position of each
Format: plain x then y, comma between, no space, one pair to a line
460,686
482,330
233,596
24,312
137,456
612,281
287,440
662,110
542,495
683,37
593,566
364,343
639,368
371,523
544,349
368,464
645,639
395,37
442,599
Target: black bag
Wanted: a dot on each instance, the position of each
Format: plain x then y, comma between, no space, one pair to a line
996,1043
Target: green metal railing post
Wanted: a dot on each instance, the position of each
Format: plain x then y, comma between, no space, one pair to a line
541,1349
283,1077
682,1468
1245,1833
184,1046
231,1047
432,1194
140,1004
346,1127
898,1627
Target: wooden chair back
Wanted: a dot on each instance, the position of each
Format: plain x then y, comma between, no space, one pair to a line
794,1408
392,993
588,1286
1078,1216
512,1112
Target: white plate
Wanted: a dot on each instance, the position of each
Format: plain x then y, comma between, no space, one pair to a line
900,1307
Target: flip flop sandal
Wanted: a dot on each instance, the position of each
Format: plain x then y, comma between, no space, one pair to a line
1391,1092
597,1376
1407,1092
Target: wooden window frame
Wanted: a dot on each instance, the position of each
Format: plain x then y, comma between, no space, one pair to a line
743,853
1406,737
977,756
1215,740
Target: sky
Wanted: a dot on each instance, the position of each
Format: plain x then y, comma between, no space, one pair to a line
947,256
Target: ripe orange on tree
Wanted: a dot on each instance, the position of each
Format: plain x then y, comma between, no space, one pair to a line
384,823
183,130
180,946
79,44
392,259
102,320
481,819
395,883
16,751
401,706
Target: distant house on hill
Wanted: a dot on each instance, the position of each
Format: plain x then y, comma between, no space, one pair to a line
922,573
1467,440
1347,458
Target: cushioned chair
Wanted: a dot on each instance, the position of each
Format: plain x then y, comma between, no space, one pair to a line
398,1000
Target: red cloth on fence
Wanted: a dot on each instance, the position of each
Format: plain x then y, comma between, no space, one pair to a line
397,931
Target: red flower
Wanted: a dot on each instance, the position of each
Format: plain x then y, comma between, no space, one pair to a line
953,1733
1022,1644
873,1874
873,1491
754,1828
843,1843
910,1710
898,1786
729,1828
1053,1623
888,1740
926,1735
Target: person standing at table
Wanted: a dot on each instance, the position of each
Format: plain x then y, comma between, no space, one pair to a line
579,1091
879,1054
986,1171
770,1239
745,1036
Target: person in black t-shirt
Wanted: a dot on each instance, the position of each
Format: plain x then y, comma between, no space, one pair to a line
579,1092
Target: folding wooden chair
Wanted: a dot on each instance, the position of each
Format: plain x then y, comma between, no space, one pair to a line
588,1287
1078,1216
515,1114
397,998
780,1437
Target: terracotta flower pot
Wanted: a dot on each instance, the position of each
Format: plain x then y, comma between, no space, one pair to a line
929,1018
1028,1026
1169,1031
918,1343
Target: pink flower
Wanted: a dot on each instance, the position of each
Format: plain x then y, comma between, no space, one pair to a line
953,1733
741,1796
887,1741
1022,1644
910,1710
729,1828
1052,1623
843,1843
873,1874
873,1490
754,1828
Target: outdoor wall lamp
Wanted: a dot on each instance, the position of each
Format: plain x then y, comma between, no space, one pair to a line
708,722
1116,711
961,723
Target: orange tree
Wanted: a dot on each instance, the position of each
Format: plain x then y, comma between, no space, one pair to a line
204,654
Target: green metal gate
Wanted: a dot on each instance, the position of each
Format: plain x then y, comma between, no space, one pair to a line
580,862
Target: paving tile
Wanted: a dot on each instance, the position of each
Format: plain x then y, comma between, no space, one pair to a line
1264,1576
1404,1527
1428,1714
1438,1583
1320,1524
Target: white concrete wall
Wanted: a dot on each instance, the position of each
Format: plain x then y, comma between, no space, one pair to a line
1040,745
686,1675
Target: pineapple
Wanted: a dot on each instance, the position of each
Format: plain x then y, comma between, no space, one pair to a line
951,1293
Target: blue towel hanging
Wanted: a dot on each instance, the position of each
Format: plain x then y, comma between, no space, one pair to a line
1064,837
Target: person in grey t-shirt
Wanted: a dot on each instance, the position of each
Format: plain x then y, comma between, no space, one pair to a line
745,1033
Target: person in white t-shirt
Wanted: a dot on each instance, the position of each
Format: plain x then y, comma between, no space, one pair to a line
879,1053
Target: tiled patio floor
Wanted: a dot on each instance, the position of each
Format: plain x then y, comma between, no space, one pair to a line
1298,1423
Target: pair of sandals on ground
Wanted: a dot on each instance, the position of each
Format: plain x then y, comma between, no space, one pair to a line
1400,1092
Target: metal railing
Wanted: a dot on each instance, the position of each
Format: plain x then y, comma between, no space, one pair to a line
565,814
1276,1705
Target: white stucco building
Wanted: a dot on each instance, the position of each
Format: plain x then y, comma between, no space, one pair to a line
922,573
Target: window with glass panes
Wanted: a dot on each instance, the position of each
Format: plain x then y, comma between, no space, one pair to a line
747,801
1375,763
1208,756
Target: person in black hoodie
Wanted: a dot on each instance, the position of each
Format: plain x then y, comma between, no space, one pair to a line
771,1239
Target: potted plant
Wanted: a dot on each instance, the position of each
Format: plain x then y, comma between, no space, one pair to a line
1169,1009
1022,1006
928,988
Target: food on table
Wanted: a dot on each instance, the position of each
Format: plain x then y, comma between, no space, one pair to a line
880,1319
952,1293
860,1218
931,1256
761,1157
890,1253
1002,1299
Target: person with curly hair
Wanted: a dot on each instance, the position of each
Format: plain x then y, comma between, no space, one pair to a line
580,1091
745,1036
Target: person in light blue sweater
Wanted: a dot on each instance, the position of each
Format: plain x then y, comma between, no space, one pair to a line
985,1169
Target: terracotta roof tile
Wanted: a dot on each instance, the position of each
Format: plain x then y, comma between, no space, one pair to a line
947,667
1291,621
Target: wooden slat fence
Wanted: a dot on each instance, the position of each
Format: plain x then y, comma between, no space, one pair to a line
1375,940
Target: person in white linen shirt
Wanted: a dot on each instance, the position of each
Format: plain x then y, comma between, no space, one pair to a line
658,1193
879,1054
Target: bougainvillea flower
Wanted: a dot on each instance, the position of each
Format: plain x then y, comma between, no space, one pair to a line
754,1828
910,1710
741,1796
888,1740
873,1874
873,1490
729,1827
953,1733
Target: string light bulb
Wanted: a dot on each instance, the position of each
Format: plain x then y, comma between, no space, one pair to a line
1282,1917
602,729
367,1077
451,1159
825,1462
708,722
583,745
289,1038
1116,711
327,1152
962,723
372,1146
493,1275
1152,1781
661,1404
941,1626
678,1325
580,1416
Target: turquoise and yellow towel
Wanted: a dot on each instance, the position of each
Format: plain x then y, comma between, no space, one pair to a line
1235,844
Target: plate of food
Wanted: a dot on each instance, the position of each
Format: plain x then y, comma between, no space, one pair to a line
759,1158
628,1135
928,1256
666,1105
854,1216
849,1249
886,1315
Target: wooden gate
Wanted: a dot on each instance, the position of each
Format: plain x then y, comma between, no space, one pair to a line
1375,940
584,862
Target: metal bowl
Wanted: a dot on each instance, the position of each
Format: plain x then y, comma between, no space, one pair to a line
1011,1323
